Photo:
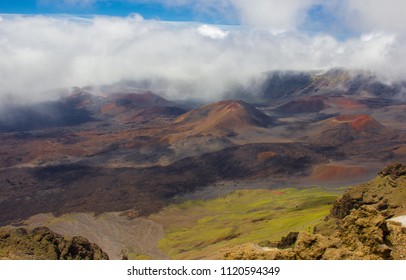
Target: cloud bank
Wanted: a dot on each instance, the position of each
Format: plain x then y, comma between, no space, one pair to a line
39,54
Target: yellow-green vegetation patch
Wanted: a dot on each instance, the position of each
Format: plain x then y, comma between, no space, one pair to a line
201,228
4,253
135,256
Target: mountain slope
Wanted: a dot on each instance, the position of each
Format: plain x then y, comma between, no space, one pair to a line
285,85
224,115
346,128
125,104
312,104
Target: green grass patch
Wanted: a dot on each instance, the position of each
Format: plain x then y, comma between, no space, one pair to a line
200,229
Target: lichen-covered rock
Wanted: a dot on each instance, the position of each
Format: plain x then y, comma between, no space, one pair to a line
387,193
43,244
365,231
345,204
288,241
357,227
394,170
364,234
313,246
397,239
254,252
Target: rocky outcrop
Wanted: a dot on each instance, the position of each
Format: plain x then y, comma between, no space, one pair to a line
394,171
364,234
357,228
43,244
387,193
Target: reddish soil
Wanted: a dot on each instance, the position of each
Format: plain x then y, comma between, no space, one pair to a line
331,173
266,155
359,122
347,103
223,116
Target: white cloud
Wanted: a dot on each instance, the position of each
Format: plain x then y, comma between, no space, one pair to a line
275,14
388,15
212,31
41,53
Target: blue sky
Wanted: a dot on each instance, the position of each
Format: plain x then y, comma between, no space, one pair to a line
148,9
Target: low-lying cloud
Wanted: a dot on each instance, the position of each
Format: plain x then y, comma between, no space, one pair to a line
40,54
